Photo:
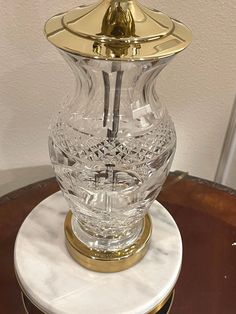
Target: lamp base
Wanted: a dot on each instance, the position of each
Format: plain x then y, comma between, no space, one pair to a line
54,283
107,261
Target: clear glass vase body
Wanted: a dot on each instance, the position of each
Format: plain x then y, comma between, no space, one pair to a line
111,147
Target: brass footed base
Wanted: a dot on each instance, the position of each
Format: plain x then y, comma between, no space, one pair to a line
108,261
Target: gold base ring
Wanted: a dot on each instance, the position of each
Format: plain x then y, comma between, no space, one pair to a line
108,261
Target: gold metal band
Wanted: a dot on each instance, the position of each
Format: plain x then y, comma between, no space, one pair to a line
107,262
160,306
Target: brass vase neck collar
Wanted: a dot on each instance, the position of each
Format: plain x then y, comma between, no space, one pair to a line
117,29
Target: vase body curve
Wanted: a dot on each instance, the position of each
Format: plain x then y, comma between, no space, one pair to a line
111,147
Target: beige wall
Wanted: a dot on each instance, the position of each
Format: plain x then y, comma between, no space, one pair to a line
198,87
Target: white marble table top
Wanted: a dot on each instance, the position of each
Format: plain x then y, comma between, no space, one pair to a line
56,284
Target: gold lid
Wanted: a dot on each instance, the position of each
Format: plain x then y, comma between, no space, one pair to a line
117,30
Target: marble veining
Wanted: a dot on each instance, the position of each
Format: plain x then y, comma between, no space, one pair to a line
58,285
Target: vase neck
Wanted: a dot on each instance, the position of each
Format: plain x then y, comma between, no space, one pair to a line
113,93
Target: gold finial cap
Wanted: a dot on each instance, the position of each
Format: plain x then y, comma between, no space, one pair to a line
117,30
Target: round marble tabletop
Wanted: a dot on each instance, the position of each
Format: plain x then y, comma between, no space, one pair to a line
56,284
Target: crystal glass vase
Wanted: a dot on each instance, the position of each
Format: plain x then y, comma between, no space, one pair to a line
113,143
111,147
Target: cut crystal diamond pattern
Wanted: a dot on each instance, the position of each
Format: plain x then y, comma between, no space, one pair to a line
85,148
